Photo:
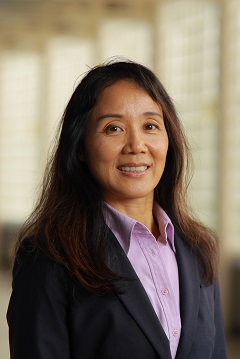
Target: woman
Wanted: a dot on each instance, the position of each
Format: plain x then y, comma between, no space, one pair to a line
112,264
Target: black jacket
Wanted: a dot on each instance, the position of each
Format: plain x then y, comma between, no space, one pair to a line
50,316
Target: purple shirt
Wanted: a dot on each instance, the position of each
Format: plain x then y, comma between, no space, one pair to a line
154,262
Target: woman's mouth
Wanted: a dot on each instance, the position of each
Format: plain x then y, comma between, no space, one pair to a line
133,168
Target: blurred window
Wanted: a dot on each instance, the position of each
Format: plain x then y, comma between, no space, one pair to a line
129,38
67,59
189,38
19,132
233,121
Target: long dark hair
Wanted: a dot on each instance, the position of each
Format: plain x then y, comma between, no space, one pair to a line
68,223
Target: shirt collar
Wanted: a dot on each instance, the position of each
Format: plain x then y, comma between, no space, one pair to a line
165,225
122,225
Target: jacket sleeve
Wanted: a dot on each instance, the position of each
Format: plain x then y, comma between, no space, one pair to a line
220,351
37,312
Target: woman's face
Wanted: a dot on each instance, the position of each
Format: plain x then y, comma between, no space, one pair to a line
126,143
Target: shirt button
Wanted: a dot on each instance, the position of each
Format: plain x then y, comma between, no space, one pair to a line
152,252
175,332
165,291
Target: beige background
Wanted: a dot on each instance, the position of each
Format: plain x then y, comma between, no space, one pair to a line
194,48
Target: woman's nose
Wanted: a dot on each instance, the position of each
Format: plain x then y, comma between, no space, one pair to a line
135,143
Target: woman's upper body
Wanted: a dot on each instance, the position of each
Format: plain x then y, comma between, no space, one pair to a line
52,316
87,291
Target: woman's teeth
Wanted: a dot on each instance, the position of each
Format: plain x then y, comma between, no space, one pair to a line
133,169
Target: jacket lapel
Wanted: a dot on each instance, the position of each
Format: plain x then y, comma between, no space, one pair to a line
189,283
134,298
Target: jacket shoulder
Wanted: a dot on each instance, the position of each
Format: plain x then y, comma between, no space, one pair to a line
34,267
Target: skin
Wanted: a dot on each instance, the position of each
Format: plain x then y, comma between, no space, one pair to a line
126,132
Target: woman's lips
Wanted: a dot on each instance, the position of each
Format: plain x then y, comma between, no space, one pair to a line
133,168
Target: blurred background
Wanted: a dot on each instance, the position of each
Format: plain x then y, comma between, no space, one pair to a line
194,48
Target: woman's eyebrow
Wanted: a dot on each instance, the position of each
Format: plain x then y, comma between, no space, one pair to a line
154,114
116,115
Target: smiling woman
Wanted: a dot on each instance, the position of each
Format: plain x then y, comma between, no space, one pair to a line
112,263
126,146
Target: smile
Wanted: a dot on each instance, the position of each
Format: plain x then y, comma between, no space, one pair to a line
133,169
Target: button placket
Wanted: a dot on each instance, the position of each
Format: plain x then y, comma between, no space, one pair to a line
175,332
165,291
153,253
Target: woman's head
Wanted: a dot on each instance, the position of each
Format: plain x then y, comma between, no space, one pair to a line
126,144
77,116
68,222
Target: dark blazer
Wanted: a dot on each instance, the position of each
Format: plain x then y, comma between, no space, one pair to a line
51,316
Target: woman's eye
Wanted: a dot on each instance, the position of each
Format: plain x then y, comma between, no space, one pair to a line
112,129
151,126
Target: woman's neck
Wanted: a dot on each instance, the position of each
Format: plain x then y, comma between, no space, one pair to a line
139,210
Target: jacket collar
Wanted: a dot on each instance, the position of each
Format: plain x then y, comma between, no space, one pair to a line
134,298
189,282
